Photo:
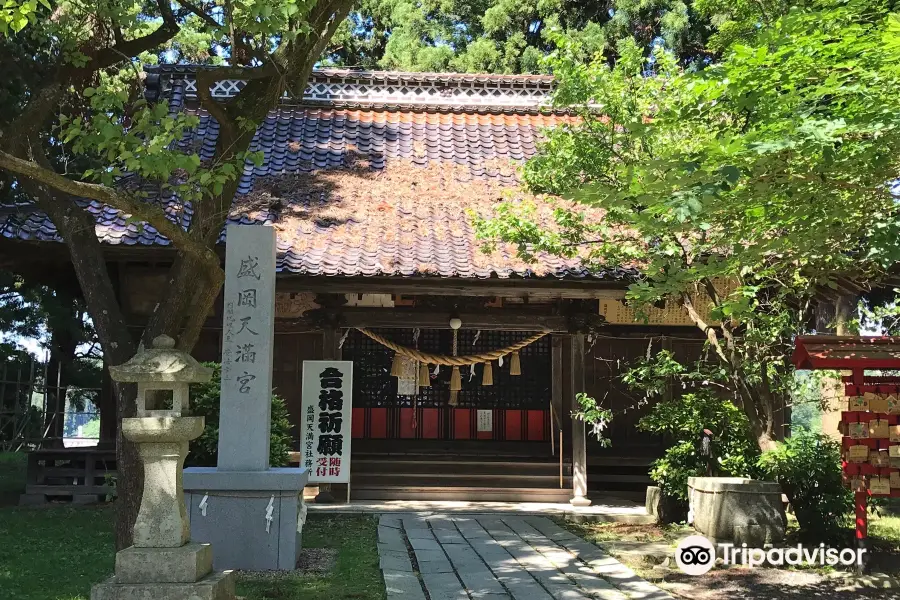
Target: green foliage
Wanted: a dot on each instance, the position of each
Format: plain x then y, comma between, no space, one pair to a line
808,467
731,451
591,414
205,400
507,36
766,170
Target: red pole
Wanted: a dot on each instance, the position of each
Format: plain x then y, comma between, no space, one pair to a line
862,518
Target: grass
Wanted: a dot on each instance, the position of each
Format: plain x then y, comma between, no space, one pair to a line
54,553
599,533
356,574
12,472
57,553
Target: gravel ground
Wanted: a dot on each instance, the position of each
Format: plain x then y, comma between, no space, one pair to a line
769,584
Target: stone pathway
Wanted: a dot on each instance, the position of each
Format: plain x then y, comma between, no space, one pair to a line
498,557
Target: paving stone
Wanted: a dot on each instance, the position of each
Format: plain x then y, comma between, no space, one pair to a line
445,536
395,563
601,563
436,566
430,555
464,558
401,585
391,538
522,589
419,534
481,583
440,522
410,523
390,521
444,586
424,544
386,550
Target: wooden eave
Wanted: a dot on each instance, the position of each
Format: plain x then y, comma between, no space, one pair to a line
846,352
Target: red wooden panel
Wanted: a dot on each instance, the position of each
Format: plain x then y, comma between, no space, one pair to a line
461,418
359,423
429,427
485,435
535,425
513,425
406,423
378,423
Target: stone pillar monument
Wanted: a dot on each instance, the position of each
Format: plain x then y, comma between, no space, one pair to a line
251,513
162,564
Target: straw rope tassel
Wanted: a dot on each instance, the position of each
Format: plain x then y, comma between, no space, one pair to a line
396,367
515,366
455,380
424,375
488,377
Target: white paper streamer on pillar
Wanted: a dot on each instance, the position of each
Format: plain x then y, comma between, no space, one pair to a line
500,362
343,339
203,504
269,510
471,372
477,336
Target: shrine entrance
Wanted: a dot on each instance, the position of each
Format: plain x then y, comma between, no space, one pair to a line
512,408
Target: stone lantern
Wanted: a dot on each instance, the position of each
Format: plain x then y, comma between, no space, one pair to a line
162,563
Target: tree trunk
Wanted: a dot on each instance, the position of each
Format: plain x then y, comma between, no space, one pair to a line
77,227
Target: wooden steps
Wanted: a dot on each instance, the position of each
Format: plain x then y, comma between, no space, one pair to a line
73,474
444,476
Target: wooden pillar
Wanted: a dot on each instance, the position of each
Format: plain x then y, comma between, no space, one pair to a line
556,391
331,345
579,441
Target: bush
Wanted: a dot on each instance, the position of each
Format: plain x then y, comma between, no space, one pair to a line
205,402
732,451
808,467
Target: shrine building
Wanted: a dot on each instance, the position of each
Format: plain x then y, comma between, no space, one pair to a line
371,183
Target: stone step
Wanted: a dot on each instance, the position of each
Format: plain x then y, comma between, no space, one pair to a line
461,479
460,493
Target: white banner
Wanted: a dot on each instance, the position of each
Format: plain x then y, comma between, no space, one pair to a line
326,425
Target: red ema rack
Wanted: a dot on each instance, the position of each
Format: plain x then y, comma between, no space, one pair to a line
858,355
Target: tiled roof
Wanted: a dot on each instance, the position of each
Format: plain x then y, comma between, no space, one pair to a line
365,192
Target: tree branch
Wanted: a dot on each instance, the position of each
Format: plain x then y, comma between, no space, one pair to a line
112,55
200,13
125,203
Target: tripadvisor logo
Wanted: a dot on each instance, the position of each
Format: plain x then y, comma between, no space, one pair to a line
696,555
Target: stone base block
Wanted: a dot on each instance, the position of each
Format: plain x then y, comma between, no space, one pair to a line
736,510
188,564
236,519
218,586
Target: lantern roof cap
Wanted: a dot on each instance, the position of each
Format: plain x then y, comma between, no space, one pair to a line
161,363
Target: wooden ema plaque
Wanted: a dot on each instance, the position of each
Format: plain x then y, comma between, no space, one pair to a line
880,459
858,454
878,404
893,404
879,429
857,403
880,486
871,440
858,430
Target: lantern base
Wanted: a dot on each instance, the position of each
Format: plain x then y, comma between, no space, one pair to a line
216,586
